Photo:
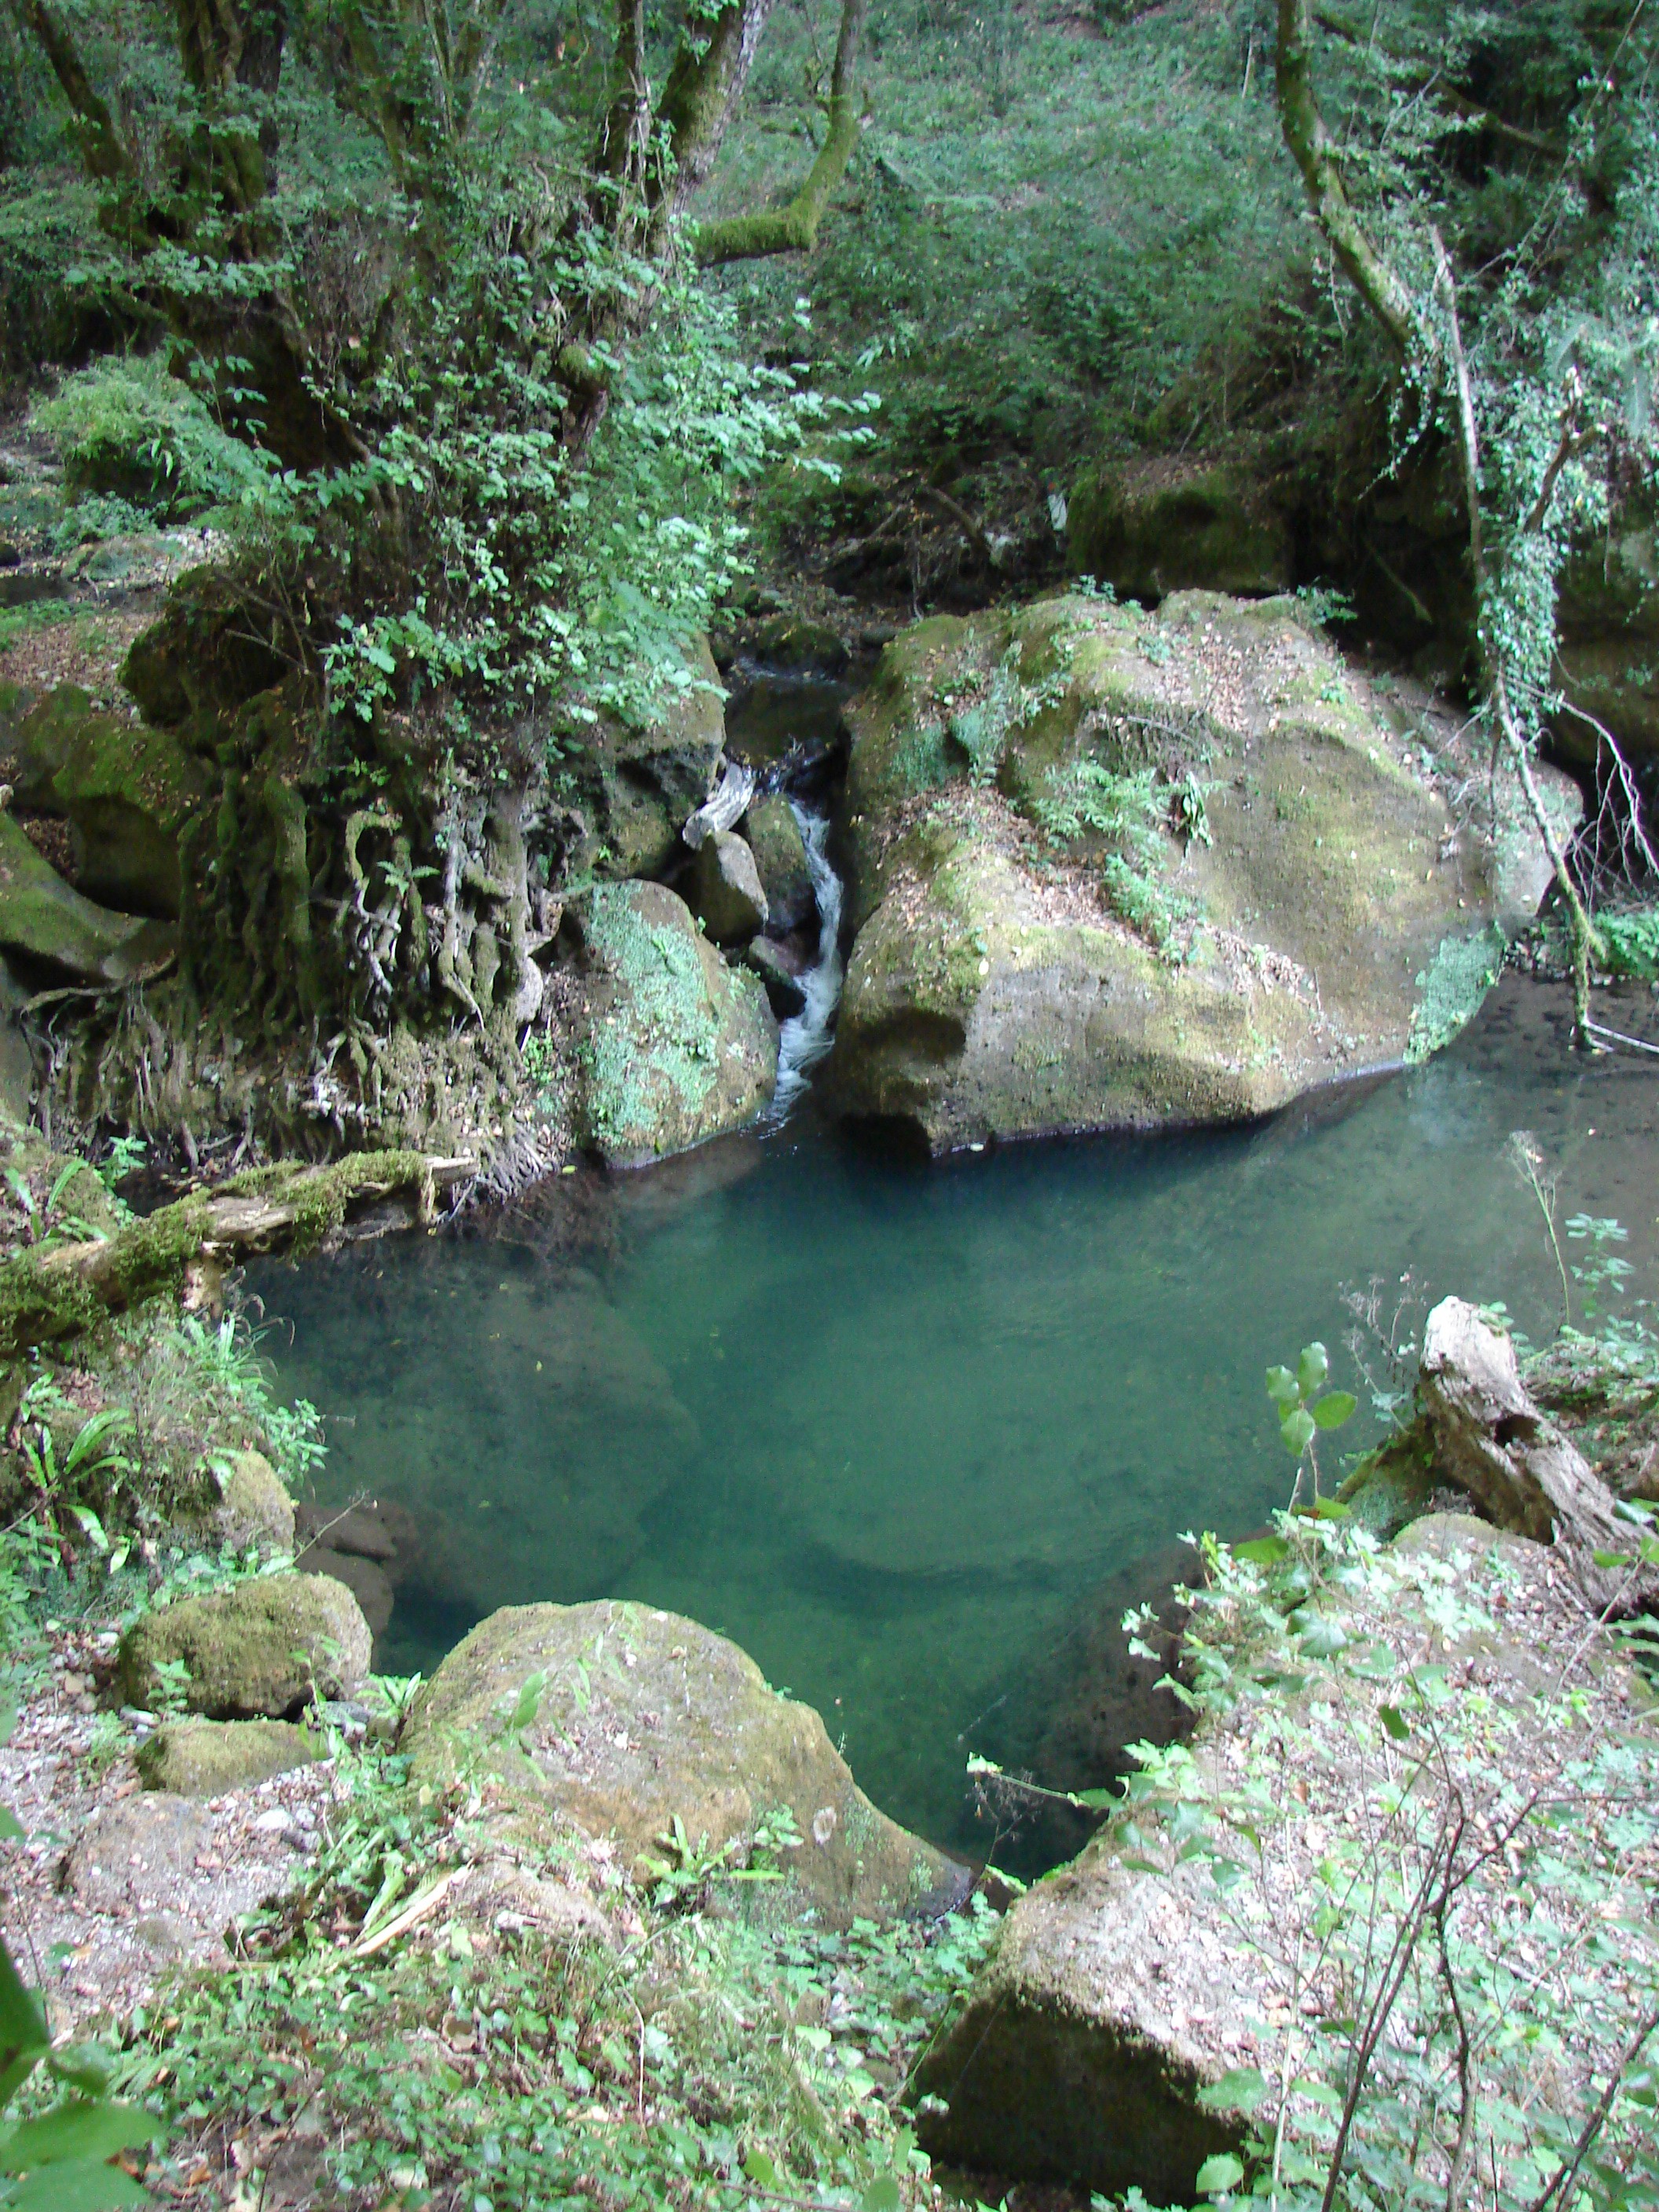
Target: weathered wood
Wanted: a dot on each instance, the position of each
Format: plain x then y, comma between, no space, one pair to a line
1491,1439
725,806
56,1290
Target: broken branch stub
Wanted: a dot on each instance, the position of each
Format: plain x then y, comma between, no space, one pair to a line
1524,1473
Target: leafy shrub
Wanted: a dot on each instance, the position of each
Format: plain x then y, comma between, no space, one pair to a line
129,431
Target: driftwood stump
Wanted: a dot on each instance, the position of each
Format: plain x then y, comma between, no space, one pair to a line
1523,1473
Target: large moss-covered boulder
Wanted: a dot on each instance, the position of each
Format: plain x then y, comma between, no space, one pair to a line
46,919
208,1758
671,1046
265,1647
622,1720
1114,869
126,790
1166,522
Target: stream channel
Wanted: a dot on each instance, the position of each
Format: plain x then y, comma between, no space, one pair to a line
912,1435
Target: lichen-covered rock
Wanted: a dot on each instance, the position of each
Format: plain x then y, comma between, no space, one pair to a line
671,1046
251,1505
46,918
780,853
726,896
127,791
1172,523
639,1718
208,1758
1300,893
263,1647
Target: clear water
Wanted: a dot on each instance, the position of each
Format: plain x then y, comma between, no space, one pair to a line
896,1428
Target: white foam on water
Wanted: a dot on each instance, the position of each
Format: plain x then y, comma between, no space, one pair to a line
805,1038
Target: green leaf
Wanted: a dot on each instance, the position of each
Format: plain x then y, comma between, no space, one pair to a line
759,2169
12,1830
1334,1408
1312,1368
1097,1800
83,2128
1395,1720
84,2066
1263,1551
87,2185
881,2195
1281,1387
23,2037
530,1701
1219,2174
1240,2091
1322,1638
1297,1429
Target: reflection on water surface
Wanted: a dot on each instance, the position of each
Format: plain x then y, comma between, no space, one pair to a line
893,1428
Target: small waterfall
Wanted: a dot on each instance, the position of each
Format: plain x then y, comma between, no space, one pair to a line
805,1038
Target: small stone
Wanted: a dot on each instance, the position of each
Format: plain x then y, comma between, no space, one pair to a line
205,1758
726,892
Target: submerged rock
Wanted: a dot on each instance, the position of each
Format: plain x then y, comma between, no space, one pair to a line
206,1758
1122,869
726,893
671,1045
45,917
127,791
262,1648
780,853
622,1720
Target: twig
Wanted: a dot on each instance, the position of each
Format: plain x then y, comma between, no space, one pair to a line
1568,2173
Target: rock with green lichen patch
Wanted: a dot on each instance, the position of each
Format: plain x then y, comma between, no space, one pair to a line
208,1759
671,1047
44,918
1293,877
636,786
251,1505
618,1720
265,1647
126,790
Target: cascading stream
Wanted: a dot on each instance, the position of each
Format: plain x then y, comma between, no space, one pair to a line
805,1039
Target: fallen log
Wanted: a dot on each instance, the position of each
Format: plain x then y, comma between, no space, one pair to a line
51,1292
1494,1441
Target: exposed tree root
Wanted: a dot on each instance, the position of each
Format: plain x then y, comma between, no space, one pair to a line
53,1291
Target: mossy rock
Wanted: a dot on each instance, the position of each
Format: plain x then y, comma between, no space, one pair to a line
639,786
785,993
261,1649
127,791
726,894
1167,523
210,1759
671,1046
996,988
780,852
637,1718
790,645
251,1506
201,660
46,918
1393,1486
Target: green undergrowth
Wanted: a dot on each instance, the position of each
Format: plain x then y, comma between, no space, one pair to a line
692,2059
